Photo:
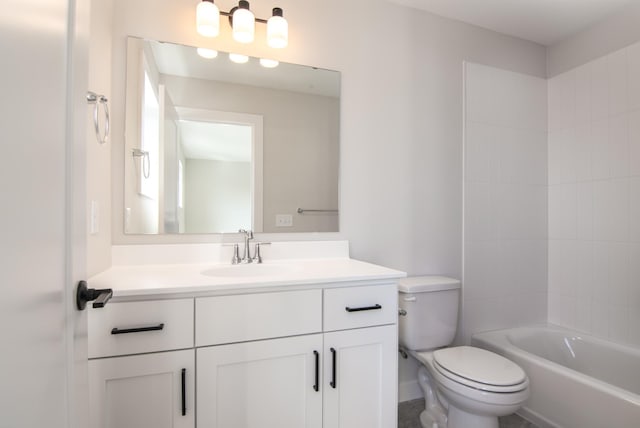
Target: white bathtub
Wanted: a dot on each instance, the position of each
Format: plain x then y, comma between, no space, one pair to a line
577,381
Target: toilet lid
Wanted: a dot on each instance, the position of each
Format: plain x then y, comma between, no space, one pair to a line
479,365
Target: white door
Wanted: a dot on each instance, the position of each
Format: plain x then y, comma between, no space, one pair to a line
42,257
143,391
263,384
360,378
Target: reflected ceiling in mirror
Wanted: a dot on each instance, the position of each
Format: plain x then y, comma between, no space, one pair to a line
213,146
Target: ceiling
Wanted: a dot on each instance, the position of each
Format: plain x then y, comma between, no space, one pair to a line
546,22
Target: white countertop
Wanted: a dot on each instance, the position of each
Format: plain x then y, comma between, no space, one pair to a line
164,280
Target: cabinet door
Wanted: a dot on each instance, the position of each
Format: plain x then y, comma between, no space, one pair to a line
143,391
261,384
360,378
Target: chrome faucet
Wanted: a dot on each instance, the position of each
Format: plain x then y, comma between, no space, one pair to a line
246,254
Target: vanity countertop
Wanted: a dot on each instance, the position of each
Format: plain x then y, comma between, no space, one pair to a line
171,280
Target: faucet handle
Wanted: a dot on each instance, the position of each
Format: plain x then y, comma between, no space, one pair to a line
248,233
236,255
257,258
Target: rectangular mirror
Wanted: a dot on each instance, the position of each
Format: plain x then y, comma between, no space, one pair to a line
213,146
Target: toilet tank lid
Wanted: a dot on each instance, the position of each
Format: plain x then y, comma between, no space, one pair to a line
418,284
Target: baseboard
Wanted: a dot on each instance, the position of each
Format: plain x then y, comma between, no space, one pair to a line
408,391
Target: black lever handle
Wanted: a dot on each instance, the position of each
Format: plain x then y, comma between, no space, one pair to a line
84,295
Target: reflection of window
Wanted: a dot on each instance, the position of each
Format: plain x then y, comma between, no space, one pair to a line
150,119
180,185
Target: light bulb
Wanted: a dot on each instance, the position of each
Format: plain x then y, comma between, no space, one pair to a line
208,19
277,30
238,58
207,53
244,23
268,63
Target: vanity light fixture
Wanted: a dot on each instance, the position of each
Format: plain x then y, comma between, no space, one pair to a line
242,22
207,53
238,58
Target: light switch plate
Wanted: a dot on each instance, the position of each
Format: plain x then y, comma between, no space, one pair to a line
284,220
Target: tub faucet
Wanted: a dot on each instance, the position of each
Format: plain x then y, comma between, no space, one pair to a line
246,254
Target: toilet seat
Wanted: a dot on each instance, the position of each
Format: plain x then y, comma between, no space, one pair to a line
479,369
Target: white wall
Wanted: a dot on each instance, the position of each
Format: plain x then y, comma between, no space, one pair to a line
611,34
505,201
594,197
99,156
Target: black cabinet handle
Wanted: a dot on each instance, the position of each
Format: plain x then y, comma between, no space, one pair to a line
184,392
316,386
85,294
334,380
117,330
364,308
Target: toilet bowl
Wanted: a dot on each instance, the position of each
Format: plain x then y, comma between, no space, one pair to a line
463,386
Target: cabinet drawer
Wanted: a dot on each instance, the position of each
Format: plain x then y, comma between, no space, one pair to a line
229,319
137,327
354,307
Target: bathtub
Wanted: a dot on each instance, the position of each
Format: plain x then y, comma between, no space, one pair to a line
576,380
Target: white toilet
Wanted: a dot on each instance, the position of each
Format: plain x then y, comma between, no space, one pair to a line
464,387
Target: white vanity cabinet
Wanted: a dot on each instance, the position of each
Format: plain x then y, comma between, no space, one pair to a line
321,356
154,389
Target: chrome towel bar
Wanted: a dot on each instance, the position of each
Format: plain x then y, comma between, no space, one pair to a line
303,210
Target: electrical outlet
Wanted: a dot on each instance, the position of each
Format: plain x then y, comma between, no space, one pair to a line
284,220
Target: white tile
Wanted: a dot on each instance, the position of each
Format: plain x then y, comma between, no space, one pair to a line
583,314
619,323
633,58
562,101
531,265
611,210
482,151
619,273
618,145
600,153
600,288
562,310
634,210
584,211
599,95
563,267
523,158
563,211
584,274
522,211
582,149
583,93
563,162
599,319
530,308
481,269
634,142
480,220
618,82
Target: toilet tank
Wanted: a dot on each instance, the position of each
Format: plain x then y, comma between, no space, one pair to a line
431,306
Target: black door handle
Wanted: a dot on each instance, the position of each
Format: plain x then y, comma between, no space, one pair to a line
84,295
334,380
365,308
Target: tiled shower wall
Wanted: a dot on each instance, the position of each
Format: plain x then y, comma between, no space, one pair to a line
505,200
594,197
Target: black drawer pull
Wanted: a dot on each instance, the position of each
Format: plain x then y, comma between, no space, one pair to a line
184,392
316,386
364,308
117,330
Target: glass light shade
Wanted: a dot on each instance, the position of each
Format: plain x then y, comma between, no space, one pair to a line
238,58
207,53
244,25
269,63
277,32
208,19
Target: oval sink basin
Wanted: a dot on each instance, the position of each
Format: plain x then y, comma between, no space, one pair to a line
249,270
